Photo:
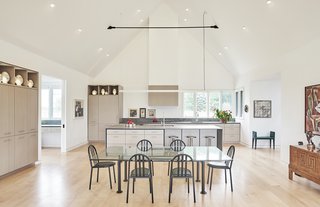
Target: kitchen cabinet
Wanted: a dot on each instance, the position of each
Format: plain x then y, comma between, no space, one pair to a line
116,138
6,155
155,137
20,110
32,110
171,132
230,132
208,141
21,151
190,132
32,147
6,110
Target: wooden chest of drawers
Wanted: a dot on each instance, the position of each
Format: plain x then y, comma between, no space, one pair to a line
305,163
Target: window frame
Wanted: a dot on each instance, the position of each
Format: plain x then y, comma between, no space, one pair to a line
50,108
239,103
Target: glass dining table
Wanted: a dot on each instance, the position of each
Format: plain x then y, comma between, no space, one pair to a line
163,154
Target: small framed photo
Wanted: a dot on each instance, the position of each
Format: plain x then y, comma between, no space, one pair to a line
78,108
143,112
151,113
133,113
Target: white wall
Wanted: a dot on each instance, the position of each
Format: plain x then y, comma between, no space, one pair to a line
76,87
130,69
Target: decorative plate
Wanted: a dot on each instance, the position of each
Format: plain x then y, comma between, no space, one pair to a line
30,83
5,77
19,80
94,92
103,91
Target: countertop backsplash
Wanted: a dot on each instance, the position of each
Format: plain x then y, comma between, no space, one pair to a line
172,120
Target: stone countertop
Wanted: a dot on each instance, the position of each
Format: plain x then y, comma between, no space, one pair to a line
166,126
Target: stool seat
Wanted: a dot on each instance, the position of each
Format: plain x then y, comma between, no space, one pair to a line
209,137
191,137
173,137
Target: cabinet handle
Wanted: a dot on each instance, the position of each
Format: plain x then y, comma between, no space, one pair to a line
21,131
7,133
20,137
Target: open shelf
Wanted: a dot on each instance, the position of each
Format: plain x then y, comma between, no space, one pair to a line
108,89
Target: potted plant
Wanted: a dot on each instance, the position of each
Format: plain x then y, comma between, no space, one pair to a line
223,115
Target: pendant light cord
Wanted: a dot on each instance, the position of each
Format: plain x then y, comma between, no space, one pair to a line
204,51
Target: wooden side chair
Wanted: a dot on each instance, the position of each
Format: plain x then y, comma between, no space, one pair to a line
95,163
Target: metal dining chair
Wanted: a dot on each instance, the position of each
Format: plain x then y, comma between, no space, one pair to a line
226,165
95,163
176,145
141,169
145,145
180,168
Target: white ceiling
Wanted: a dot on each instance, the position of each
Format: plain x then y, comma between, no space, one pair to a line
272,30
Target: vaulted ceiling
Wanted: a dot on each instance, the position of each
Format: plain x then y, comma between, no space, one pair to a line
73,32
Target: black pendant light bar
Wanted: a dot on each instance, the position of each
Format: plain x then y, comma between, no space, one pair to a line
168,27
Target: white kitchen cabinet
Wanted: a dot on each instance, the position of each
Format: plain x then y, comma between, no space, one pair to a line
155,137
116,138
190,132
20,110
93,117
6,111
133,137
6,155
230,132
171,132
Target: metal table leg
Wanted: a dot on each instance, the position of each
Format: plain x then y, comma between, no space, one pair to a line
119,177
198,172
125,172
203,187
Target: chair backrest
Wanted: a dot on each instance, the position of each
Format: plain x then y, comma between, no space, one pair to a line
254,134
181,163
144,145
230,153
140,162
177,145
93,155
272,134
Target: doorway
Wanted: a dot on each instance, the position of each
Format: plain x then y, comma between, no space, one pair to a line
53,113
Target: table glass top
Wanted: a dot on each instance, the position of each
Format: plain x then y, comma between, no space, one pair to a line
164,153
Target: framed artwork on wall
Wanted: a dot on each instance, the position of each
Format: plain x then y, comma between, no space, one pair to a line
133,113
262,109
151,113
312,109
142,112
78,108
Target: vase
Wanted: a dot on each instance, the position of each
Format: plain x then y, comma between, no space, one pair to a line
224,121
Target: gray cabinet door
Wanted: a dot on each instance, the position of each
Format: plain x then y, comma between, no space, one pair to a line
32,147
93,109
191,132
21,150
20,110
32,110
6,155
109,109
6,111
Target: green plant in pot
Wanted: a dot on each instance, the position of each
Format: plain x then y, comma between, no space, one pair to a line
223,115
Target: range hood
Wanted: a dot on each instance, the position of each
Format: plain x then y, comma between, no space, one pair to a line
168,97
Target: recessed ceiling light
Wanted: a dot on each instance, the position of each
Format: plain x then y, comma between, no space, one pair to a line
107,54
220,53
52,5
269,2
244,27
225,47
185,20
187,9
79,30
141,20
100,49
138,10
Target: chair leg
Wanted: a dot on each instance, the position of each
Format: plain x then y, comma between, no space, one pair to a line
170,189
273,143
270,143
128,182
134,180
188,186
255,144
225,175
231,180
209,168
168,167
252,142
151,184
110,178
114,174
97,175
90,179
211,178
152,168
194,191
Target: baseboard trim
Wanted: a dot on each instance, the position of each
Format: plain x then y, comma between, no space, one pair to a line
77,146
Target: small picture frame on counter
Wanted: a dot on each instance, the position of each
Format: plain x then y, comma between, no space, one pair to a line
151,113
133,113
142,112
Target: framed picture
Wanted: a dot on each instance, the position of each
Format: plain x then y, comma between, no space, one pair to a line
151,113
133,113
262,109
312,109
78,108
142,112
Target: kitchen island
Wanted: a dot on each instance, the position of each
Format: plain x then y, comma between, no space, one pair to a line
159,135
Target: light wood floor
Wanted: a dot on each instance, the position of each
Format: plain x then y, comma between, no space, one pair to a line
61,179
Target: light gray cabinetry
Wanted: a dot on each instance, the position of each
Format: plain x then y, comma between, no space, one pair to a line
230,132
20,110
171,132
93,117
21,151
6,155
6,111
32,110
208,137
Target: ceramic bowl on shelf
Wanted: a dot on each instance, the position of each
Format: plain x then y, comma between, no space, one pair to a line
103,91
94,92
30,83
19,80
5,77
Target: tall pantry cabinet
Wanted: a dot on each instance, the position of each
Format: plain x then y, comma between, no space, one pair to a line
18,119
104,108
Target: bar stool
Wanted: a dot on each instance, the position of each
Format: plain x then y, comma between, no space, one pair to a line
209,140
172,138
190,140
